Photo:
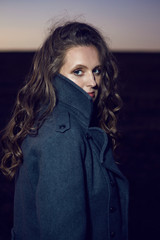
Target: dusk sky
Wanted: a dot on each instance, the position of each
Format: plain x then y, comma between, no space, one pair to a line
129,25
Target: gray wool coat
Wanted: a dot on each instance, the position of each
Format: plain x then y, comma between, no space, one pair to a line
69,186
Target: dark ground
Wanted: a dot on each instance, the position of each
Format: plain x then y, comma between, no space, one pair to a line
139,147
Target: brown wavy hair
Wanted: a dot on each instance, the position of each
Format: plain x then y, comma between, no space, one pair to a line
36,100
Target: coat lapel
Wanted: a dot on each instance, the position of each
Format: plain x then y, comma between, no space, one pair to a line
106,156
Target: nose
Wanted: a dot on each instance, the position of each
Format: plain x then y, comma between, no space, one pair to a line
91,80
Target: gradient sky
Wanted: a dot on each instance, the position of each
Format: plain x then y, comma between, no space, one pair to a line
129,25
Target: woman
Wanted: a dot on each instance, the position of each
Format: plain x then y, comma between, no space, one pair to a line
59,140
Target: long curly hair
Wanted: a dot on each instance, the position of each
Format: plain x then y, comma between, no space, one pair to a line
36,100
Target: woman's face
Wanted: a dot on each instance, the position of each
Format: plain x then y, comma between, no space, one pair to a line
83,67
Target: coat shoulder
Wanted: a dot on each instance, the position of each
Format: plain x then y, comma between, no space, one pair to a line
60,129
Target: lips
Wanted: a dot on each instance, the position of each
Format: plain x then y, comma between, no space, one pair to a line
91,94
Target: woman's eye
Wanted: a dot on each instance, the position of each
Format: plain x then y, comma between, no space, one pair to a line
78,72
97,71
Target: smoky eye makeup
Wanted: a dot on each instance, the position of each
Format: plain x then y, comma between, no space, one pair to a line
97,70
78,72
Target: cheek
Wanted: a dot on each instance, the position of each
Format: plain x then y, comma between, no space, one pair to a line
98,81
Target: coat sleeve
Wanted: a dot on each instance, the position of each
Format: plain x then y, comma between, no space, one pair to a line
60,193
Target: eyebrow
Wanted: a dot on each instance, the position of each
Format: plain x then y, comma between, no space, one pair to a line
83,66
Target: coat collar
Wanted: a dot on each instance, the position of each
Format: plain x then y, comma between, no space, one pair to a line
73,97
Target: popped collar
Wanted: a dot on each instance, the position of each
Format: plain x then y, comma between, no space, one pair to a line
74,97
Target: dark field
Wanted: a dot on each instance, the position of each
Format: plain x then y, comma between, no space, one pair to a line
139,147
